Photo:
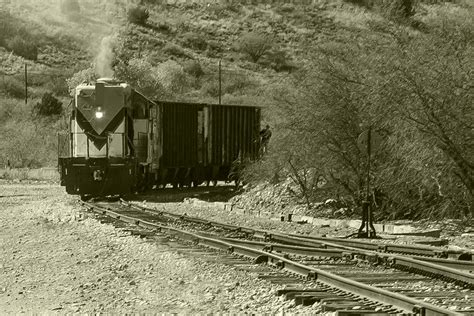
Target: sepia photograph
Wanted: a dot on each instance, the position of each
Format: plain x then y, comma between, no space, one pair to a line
247,157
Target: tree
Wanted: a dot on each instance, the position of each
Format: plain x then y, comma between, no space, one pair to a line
414,89
433,94
138,15
255,45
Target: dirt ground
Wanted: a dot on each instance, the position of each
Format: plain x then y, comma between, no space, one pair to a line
55,261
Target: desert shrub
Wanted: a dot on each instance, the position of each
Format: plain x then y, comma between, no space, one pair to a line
278,60
231,84
85,76
138,15
48,106
211,88
11,109
286,8
171,77
235,83
193,68
24,47
58,85
194,41
214,46
174,50
12,87
223,9
140,73
255,45
70,6
29,143
363,3
397,9
163,28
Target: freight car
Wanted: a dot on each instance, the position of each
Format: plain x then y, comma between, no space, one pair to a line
120,142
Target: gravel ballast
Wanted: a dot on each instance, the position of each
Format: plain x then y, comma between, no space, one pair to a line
55,260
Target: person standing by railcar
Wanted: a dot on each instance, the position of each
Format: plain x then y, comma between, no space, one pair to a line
265,135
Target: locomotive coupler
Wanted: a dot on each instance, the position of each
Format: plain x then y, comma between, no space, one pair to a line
98,175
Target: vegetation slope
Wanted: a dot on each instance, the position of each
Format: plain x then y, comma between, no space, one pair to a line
324,72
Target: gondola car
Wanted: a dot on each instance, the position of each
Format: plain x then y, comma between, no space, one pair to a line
121,142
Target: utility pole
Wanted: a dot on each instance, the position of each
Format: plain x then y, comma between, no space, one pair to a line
220,80
26,83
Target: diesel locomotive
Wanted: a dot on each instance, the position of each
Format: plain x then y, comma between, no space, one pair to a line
120,142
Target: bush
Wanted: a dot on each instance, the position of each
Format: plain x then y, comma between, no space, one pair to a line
286,8
231,84
70,6
13,87
193,68
24,47
363,3
397,9
194,41
171,76
48,106
29,143
84,76
138,15
278,61
139,73
163,28
58,85
174,50
255,45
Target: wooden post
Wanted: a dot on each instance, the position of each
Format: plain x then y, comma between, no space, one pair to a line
26,83
220,81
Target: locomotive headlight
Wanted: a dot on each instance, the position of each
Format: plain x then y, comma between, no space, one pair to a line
99,114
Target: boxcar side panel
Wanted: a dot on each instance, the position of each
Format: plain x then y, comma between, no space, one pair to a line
234,132
180,134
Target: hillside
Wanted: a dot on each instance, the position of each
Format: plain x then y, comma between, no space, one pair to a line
324,72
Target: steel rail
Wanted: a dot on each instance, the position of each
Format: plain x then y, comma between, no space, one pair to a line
317,252
289,249
372,293
458,276
408,249
323,242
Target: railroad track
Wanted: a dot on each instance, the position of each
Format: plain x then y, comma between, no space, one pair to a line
424,253
346,276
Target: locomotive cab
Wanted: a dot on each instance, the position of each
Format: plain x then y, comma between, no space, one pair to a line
101,152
